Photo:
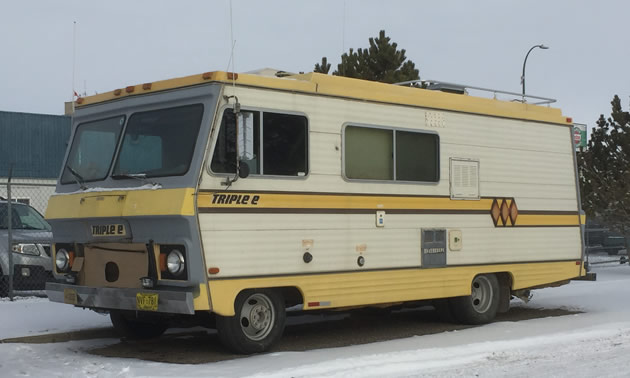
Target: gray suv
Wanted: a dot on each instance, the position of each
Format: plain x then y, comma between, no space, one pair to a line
32,264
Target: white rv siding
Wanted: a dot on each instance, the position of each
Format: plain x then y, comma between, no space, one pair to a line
528,161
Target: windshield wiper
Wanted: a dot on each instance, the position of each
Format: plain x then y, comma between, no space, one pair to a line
138,176
77,177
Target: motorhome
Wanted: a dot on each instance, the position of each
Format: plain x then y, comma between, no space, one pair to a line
232,197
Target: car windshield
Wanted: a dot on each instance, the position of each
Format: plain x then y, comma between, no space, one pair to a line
92,150
23,217
159,142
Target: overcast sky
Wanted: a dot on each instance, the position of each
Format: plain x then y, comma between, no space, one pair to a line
479,43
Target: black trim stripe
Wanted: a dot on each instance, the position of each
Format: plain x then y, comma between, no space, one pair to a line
213,278
270,210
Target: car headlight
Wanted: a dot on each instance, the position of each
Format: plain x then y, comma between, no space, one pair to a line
62,260
26,249
175,262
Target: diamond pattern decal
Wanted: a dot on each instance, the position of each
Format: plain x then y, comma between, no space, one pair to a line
513,212
495,211
504,212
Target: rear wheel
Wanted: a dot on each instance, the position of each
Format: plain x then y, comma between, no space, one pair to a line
138,328
258,323
481,305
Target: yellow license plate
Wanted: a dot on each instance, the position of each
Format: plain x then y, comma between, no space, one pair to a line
70,296
115,229
147,301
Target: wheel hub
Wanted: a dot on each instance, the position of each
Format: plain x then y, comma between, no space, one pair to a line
257,317
481,295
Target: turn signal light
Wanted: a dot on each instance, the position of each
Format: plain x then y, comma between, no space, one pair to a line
71,258
213,270
162,262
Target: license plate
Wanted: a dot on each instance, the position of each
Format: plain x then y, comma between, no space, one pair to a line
70,296
114,229
147,301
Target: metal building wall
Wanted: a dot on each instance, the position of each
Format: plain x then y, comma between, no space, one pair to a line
34,143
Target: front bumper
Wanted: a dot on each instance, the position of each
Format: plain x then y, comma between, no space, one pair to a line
174,302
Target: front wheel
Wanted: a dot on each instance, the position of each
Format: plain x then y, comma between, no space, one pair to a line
258,323
481,306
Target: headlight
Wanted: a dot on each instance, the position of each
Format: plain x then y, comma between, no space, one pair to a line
62,260
175,262
26,249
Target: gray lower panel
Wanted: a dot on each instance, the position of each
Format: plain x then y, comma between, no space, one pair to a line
175,302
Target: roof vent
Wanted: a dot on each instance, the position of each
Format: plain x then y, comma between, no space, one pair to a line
447,87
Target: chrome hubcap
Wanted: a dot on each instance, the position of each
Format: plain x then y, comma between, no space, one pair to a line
482,294
257,317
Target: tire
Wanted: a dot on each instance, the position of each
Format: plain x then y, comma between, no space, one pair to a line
481,306
4,285
136,328
258,323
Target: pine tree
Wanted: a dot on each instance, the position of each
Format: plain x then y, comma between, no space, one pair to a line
605,170
382,61
324,67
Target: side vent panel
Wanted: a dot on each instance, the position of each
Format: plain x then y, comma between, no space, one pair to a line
464,179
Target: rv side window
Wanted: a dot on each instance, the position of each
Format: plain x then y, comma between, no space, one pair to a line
416,156
283,151
386,154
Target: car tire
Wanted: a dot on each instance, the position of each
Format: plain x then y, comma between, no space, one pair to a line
4,285
481,306
138,328
258,322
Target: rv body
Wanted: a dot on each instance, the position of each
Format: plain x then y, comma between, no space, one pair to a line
339,193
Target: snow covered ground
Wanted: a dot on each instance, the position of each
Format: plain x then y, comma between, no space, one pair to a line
595,342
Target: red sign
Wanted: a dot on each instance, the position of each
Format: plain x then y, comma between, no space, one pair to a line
577,136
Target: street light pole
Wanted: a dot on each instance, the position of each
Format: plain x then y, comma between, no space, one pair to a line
525,62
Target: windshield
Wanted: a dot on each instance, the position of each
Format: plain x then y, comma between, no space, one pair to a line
159,142
92,150
22,218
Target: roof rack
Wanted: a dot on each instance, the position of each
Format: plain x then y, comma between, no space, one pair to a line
462,89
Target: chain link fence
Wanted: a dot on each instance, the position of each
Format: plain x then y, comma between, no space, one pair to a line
25,237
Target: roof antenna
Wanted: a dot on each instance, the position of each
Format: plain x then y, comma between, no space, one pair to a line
232,60
343,37
74,59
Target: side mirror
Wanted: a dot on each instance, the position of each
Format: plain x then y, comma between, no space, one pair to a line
245,135
243,169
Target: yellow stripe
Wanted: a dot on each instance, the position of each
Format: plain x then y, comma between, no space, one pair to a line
122,203
227,200
363,288
547,220
200,302
320,201
315,83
